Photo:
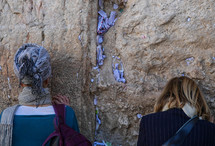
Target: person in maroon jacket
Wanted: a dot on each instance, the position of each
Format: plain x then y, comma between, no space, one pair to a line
180,100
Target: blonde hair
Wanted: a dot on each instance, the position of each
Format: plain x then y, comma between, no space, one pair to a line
182,90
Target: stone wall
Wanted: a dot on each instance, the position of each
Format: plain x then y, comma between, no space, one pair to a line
156,40
57,26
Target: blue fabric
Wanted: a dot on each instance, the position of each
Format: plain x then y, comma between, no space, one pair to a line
33,130
157,128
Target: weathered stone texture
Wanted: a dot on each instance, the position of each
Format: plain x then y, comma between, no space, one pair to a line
156,40
56,25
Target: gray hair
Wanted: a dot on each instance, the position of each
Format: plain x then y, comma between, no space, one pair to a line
32,66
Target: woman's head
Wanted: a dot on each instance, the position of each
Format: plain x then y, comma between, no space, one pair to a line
32,66
178,92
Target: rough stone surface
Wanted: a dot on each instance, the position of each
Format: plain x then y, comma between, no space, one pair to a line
57,26
156,40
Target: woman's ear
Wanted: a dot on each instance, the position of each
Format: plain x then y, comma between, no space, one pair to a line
45,83
22,85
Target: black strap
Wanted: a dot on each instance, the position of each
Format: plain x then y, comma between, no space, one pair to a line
182,133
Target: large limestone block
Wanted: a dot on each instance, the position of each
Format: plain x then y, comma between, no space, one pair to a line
156,40
57,26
